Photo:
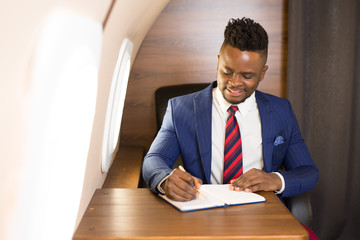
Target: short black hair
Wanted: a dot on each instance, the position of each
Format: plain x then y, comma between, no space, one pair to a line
246,35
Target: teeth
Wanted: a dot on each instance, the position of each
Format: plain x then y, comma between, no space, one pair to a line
234,91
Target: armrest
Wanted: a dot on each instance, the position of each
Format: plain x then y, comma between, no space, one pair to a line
300,207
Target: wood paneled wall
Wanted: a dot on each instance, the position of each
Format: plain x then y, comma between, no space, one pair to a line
182,47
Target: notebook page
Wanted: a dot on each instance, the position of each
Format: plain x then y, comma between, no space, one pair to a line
230,197
199,203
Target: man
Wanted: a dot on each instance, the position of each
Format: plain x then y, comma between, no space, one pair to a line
260,133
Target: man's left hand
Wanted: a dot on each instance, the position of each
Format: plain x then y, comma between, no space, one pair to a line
256,180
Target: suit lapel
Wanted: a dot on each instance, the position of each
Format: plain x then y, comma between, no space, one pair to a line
203,118
267,128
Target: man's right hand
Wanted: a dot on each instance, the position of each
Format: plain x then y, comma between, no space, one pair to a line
181,186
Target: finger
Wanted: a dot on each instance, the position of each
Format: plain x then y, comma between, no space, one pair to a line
243,178
180,191
187,177
183,179
237,181
264,182
247,180
178,197
191,180
198,182
186,187
253,188
185,195
238,184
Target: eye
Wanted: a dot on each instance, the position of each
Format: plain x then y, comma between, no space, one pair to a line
227,73
248,76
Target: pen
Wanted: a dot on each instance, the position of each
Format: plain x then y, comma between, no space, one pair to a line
198,190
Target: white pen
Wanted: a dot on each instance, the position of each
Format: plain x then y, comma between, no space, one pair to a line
198,190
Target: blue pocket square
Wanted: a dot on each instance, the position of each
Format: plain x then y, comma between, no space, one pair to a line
278,140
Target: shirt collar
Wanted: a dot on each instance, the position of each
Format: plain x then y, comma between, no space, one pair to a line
244,107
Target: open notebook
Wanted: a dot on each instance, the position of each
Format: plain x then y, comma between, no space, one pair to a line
216,196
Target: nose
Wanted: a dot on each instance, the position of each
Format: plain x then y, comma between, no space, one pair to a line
236,80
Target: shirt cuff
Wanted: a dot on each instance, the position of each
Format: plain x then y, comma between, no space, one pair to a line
282,183
159,188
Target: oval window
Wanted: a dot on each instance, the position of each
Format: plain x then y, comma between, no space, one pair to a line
116,104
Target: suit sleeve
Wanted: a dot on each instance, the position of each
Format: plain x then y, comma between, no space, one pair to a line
300,173
163,152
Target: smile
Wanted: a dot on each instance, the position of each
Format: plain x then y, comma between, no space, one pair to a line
235,93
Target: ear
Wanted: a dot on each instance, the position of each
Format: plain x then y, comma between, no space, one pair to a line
266,67
217,66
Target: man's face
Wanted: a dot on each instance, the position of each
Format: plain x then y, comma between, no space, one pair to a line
239,73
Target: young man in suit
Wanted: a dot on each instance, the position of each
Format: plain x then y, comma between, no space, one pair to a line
270,154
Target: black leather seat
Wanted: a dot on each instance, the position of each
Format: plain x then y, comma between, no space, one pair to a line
300,206
163,94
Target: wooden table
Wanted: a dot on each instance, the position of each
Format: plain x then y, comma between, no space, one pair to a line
140,214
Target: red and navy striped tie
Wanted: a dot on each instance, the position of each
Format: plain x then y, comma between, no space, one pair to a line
233,166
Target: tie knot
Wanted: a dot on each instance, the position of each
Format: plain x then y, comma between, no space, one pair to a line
232,109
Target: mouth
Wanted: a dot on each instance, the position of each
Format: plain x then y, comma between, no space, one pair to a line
235,92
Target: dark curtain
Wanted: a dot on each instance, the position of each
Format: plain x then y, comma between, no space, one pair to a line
324,86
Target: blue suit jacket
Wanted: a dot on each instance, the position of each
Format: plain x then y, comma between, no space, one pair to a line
186,130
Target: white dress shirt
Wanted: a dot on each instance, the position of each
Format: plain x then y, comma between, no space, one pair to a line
248,118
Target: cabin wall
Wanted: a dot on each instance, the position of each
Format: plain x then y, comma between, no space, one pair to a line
130,19
182,47
21,25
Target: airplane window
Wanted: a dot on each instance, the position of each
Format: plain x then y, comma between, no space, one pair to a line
116,104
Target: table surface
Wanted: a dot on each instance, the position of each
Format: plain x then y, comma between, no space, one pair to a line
140,214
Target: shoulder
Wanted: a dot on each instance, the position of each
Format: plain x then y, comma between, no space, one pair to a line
274,101
188,99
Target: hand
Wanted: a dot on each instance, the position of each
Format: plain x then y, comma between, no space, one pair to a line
256,180
181,186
